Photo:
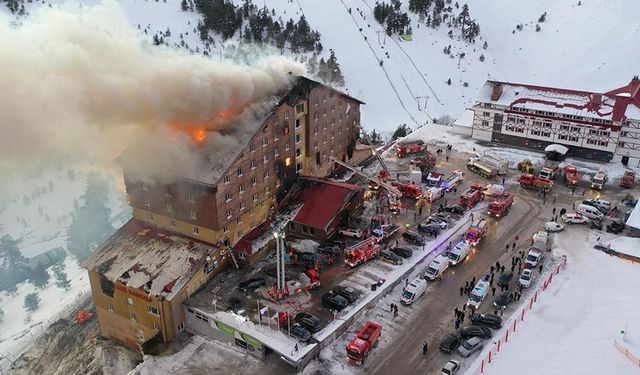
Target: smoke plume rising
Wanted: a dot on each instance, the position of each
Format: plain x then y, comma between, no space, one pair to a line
83,82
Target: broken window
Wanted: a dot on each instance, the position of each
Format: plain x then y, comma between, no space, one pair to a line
107,286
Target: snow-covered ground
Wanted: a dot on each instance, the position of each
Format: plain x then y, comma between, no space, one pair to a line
40,224
573,325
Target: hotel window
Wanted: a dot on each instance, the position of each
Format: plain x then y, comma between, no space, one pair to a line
252,147
562,137
603,143
298,167
287,162
298,152
225,228
297,123
181,326
156,326
333,121
251,213
486,113
265,159
173,223
130,301
153,310
190,197
192,214
287,146
196,230
169,207
265,142
315,116
132,316
147,201
267,190
564,127
286,115
573,139
537,123
254,165
254,181
110,307
241,188
242,206
298,138
227,179
239,220
229,214
149,217
333,108
591,141
239,171
227,197
276,152
485,123
255,197
266,173
285,130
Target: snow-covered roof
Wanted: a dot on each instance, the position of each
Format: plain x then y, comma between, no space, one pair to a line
465,120
556,148
615,105
145,257
634,219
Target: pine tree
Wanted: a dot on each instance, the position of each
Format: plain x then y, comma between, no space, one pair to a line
13,265
39,277
485,45
542,18
481,57
62,280
401,131
464,16
31,302
537,27
335,74
184,6
323,72
449,82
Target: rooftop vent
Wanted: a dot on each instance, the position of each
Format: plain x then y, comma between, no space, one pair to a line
497,91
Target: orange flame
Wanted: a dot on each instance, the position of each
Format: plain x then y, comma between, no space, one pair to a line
199,131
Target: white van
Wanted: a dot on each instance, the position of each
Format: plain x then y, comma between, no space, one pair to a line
415,289
436,268
478,293
534,256
589,211
459,253
540,239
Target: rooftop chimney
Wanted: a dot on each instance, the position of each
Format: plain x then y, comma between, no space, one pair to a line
596,100
497,91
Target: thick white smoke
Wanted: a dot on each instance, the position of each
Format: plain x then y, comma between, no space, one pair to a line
82,81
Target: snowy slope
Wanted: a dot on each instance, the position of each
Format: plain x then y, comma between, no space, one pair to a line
579,317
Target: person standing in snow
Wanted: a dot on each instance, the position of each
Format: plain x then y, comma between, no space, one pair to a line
425,347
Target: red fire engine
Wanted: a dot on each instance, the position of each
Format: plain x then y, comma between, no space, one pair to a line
501,205
628,179
362,252
425,161
571,176
405,148
412,191
366,340
472,196
476,232
529,181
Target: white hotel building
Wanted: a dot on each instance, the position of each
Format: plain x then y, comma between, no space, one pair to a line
600,126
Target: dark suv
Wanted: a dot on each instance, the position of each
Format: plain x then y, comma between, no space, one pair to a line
450,343
475,331
333,301
306,258
431,229
413,238
402,251
347,292
308,321
489,320
251,284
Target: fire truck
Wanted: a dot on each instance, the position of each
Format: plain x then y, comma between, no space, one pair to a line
434,178
424,161
550,170
367,339
571,176
472,196
412,191
501,205
385,232
628,179
362,252
529,181
407,147
452,181
476,232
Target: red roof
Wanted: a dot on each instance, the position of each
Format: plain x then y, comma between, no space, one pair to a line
323,201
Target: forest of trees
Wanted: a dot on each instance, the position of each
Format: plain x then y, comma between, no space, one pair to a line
437,12
329,71
390,15
255,24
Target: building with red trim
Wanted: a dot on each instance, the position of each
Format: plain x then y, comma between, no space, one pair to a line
600,126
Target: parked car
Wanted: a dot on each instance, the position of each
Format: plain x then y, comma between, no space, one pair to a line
333,301
597,224
272,270
347,292
308,321
390,257
504,278
503,300
351,232
455,209
525,278
470,346
236,305
489,320
442,222
450,343
450,368
413,237
330,250
615,227
337,242
602,205
574,218
403,251
475,331
430,229
552,226
305,257
300,332
252,284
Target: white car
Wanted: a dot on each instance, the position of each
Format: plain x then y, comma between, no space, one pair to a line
494,190
575,218
552,226
525,278
450,368
350,232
